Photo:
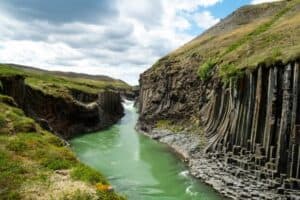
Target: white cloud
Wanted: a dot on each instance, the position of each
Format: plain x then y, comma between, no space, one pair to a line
123,46
262,1
205,19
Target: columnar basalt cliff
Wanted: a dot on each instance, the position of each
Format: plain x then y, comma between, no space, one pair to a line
239,83
254,123
67,116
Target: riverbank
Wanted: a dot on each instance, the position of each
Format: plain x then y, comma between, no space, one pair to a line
229,180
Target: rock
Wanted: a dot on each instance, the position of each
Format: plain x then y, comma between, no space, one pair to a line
67,116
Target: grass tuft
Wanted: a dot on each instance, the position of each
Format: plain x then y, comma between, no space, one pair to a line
205,70
87,174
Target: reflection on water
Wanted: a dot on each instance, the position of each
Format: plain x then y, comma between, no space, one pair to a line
137,166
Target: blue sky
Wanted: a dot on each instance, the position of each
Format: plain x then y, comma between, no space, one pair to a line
119,38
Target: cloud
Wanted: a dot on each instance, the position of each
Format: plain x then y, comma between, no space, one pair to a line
205,19
107,37
262,1
58,11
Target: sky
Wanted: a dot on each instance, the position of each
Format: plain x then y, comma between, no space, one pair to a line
119,38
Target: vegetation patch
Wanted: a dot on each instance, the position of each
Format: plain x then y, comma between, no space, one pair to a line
205,70
169,125
87,174
60,85
30,156
11,177
229,71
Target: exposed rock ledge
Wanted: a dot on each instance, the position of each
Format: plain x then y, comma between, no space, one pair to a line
68,117
230,180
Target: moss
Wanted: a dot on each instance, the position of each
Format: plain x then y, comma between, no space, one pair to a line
87,174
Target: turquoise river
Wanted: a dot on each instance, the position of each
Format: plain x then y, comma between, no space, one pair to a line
138,167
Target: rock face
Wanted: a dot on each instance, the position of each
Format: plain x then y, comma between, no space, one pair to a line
231,84
67,117
252,125
168,94
255,124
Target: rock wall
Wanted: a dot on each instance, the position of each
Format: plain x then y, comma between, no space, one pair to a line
255,123
68,117
252,123
169,94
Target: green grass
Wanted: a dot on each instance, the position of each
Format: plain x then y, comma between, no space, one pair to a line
29,155
11,177
58,85
87,174
205,70
228,72
260,41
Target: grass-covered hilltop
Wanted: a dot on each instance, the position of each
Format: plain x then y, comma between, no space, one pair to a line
236,87
34,162
251,36
65,103
62,83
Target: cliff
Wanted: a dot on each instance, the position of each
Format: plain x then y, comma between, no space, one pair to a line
69,109
37,106
238,84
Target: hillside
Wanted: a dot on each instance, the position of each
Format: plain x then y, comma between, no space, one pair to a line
35,164
62,83
236,87
252,35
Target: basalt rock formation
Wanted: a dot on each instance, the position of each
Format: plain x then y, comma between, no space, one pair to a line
68,117
239,83
255,124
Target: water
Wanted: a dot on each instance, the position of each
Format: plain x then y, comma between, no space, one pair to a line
138,167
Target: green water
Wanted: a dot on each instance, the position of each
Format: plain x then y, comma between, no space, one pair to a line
138,167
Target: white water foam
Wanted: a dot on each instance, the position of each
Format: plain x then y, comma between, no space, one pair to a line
128,104
189,191
184,173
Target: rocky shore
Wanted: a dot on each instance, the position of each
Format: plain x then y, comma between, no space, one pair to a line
229,180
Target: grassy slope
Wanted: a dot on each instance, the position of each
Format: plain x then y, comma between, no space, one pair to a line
272,37
30,156
59,85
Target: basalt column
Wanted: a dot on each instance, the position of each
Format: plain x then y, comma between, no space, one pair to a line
254,123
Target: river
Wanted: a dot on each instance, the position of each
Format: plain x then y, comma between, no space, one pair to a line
138,167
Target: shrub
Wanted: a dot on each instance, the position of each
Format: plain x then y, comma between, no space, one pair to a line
204,70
